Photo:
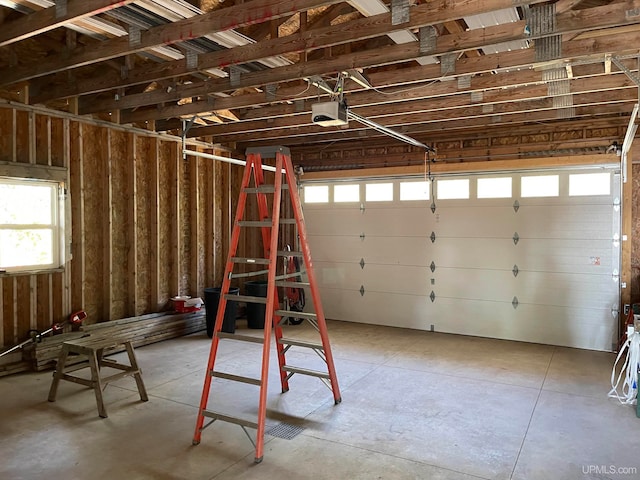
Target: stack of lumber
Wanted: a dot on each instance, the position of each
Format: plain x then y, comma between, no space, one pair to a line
142,330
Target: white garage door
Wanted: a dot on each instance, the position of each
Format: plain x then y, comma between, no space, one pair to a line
530,256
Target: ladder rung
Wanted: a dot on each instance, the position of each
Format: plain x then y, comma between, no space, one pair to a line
257,261
291,275
300,343
286,253
265,188
229,419
255,223
247,298
289,313
287,221
236,378
286,283
240,338
305,371
249,274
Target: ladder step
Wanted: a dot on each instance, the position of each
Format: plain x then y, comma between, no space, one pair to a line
291,275
236,378
286,283
240,338
300,343
249,274
305,371
286,253
246,298
289,313
257,261
255,223
265,188
287,221
227,418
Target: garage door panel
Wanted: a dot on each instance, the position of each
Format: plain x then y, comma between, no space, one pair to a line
473,222
337,248
374,278
344,222
491,285
553,325
474,253
583,221
397,221
563,255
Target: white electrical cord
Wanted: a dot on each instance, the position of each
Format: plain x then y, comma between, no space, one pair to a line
629,393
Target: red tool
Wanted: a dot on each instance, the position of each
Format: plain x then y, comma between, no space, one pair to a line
293,297
35,336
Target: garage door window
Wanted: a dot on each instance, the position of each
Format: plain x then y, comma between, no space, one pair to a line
540,186
346,193
453,189
414,190
379,192
581,184
316,194
494,187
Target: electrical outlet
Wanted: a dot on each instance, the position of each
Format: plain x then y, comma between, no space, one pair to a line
626,308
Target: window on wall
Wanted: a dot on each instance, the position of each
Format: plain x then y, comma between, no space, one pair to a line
31,226
540,186
316,194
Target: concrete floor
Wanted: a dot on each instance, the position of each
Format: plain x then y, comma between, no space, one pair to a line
416,405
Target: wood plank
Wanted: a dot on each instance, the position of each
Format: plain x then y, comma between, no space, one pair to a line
47,19
40,172
626,246
132,224
107,233
175,223
236,16
154,220
194,224
77,187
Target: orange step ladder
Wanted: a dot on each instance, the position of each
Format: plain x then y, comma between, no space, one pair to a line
269,223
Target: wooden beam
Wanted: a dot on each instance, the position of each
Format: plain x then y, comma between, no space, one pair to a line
256,11
48,19
583,20
194,227
154,222
470,167
107,234
437,103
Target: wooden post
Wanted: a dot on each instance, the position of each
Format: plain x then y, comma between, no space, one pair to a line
627,232
154,220
132,225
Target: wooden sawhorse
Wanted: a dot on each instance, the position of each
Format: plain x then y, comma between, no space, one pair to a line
93,347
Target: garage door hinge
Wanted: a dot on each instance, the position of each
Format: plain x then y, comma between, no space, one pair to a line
616,275
516,238
433,207
614,312
362,263
515,302
432,296
362,236
362,290
432,267
516,206
362,207
433,237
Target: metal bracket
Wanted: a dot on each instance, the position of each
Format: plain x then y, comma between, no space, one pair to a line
515,270
432,296
516,238
399,11
432,267
516,206
234,76
515,302
270,92
362,290
433,207
428,39
191,59
433,237
61,8
634,77
134,36
362,263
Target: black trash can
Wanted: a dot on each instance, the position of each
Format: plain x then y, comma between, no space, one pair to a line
211,300
256,311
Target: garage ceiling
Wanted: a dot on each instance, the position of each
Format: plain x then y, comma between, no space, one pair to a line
247,74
